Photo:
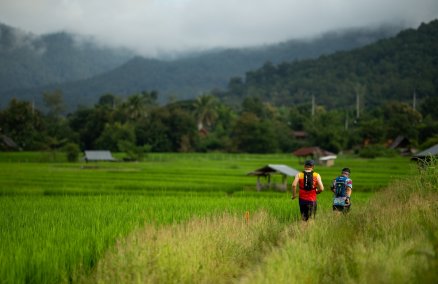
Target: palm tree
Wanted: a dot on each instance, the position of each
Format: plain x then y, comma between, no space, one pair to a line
137,106
206,111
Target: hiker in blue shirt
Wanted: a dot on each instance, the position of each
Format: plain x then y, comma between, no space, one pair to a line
342,187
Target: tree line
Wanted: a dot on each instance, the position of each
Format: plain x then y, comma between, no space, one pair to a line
363,100
137,124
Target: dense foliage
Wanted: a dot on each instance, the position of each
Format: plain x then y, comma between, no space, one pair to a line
138,125
390,69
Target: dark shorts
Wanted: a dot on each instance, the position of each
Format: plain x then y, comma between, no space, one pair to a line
307,209
340,208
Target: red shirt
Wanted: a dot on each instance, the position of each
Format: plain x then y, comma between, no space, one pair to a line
308,195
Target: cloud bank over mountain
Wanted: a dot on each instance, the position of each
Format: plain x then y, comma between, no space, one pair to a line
156,27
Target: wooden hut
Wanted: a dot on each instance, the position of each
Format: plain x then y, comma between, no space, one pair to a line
269,170
402,145
320,156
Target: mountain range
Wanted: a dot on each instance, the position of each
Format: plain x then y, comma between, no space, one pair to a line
83,70
398,68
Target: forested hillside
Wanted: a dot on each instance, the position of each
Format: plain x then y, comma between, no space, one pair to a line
391,69
28,60
188,76
271,105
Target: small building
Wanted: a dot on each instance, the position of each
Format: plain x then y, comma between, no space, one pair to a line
98,155
425,156
300,135
6,143
402,145
269,170
320,156
327,161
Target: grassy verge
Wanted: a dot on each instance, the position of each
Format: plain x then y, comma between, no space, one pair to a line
391,239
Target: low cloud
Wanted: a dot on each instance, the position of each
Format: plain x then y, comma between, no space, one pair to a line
153,27
12,39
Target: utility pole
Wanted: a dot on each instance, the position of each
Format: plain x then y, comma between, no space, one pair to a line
357,106
414,100
346,120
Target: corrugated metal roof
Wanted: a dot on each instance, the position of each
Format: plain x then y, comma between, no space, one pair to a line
8,141
432,151
326,158
98,155
283,169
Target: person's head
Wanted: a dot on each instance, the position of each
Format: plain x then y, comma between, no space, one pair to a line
309,164
346,172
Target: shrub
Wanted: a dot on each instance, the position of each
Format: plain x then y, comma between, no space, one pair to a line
374,151
133,152
429,143
72,151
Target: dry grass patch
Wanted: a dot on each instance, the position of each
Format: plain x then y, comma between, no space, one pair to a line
203,250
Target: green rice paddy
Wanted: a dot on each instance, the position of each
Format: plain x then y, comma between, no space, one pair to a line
57,219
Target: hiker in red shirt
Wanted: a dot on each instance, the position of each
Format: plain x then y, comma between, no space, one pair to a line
310,185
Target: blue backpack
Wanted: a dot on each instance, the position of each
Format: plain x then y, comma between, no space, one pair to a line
340,189
340,186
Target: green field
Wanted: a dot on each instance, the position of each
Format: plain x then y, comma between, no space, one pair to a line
60,222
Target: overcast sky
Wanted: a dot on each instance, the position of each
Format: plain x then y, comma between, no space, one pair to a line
155,26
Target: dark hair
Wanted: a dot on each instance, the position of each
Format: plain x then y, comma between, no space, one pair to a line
309,163
346,170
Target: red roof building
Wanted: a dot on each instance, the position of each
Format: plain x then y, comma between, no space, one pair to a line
320,156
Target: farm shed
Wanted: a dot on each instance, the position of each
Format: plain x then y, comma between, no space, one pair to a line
300,135
321,156
425,156
327,161
269,170
98,155
6,143
402,145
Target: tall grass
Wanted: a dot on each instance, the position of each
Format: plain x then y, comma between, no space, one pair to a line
46,239
391,239
203,250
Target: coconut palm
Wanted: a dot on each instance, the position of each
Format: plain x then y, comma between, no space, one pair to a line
206,111
138,105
